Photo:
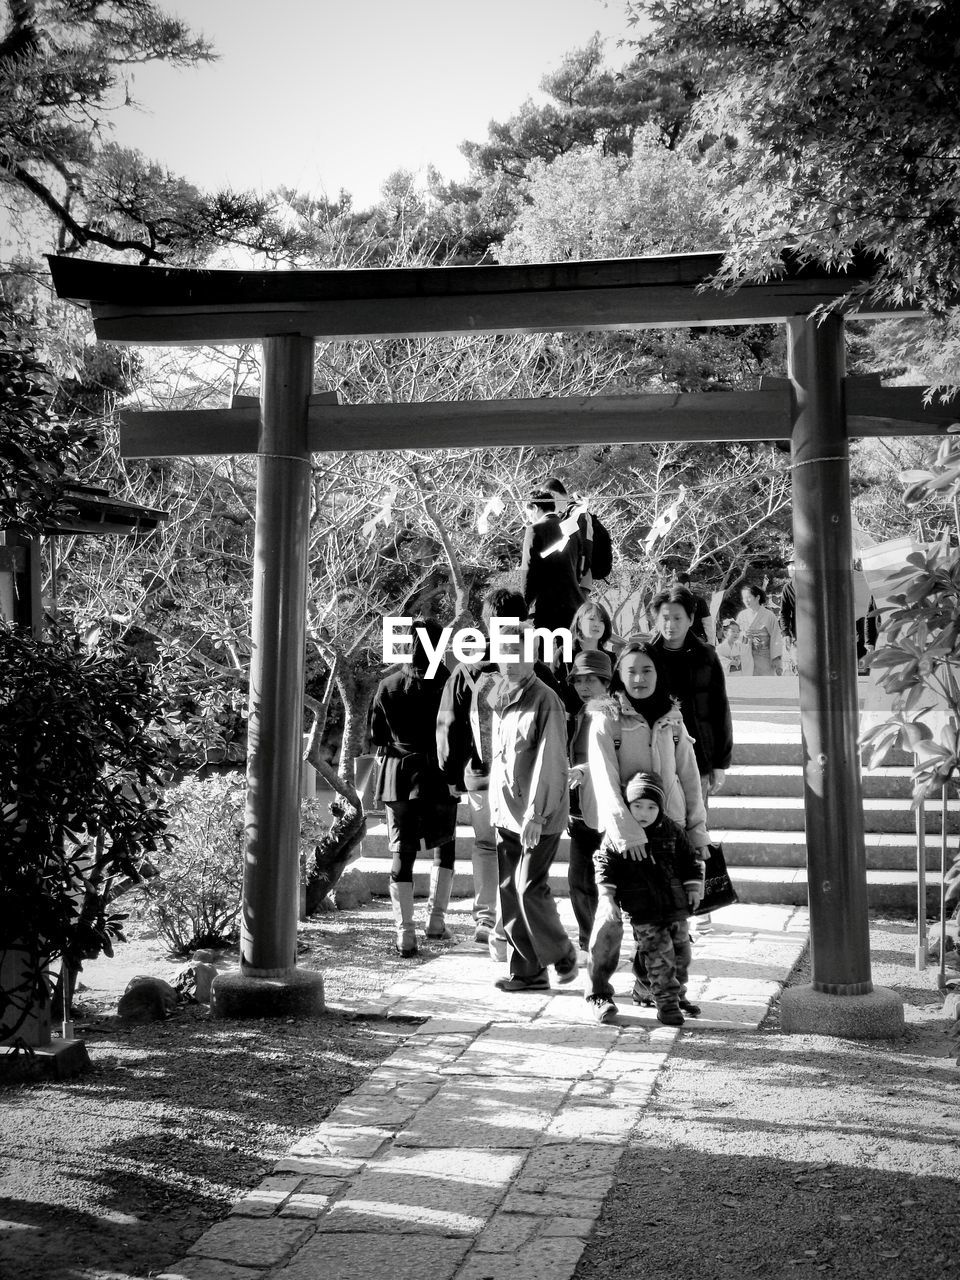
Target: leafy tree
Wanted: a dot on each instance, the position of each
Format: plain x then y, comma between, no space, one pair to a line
80,762
65,65
593,106
847,137
588,204
37,449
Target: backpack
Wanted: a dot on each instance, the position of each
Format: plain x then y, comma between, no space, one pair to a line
601,561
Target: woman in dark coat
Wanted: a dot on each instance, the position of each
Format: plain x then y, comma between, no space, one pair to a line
421,810
692,673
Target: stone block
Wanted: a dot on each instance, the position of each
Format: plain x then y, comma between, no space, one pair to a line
561,1052
877,1016
505,1113
545,1258
147,1000
361,1254
452,1192
253,1242
332,1139
298,994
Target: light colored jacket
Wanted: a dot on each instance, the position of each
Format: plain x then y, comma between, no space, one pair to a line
621,743
528,773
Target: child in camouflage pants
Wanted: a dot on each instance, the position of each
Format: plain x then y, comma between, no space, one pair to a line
658,891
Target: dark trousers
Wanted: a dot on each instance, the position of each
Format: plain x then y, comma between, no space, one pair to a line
581,878
530,917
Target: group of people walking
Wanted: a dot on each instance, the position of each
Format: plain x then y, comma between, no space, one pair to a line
621,747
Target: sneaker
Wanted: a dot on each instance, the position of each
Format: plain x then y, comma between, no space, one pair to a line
689,1007
567,968
604,1010
539,982
481,934
642,996
670,1016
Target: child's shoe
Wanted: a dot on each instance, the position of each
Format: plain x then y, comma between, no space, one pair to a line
481,934
641,995
604,1010
670,1015
566,969
689,1007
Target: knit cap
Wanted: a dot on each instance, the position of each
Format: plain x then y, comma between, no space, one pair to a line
592,662
645,786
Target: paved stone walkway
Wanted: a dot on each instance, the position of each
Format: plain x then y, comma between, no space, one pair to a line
484,1147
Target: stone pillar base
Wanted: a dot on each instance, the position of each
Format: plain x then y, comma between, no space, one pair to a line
58,1060
877,1016
297,994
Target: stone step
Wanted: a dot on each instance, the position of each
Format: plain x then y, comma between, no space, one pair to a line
760,848
894,782
787,749
785,813
788,886
775,799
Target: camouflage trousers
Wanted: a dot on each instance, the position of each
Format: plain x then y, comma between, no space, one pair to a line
661,962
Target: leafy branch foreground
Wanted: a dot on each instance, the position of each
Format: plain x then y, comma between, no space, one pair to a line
917,657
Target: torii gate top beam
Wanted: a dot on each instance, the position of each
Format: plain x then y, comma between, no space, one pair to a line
183,306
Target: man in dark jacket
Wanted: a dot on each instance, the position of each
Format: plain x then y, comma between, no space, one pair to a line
421,809
693,674
550,565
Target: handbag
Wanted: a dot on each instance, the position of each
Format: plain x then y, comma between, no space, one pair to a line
718,890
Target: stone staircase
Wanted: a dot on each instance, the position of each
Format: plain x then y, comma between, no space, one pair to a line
758,816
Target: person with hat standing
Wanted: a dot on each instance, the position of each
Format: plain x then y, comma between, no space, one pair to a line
639,727
589,678
549,564
658,892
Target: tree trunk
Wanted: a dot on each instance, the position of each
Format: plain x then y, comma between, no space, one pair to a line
333,853
356,695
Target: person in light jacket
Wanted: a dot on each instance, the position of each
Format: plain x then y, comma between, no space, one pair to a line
529,806
639,728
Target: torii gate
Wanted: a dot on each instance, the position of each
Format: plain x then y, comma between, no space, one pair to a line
815,407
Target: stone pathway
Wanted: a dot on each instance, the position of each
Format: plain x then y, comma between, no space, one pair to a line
484,1147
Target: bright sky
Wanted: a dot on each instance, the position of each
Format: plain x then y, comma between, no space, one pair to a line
324,94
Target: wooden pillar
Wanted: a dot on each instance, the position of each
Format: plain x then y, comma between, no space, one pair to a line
826,653
20,578
271,868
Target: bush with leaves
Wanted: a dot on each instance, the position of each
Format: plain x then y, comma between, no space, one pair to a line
917,658
195,898
37,450
81,761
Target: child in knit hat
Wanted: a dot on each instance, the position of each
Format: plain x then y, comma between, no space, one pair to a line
657,891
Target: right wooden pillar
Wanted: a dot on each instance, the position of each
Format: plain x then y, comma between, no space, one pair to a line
840,999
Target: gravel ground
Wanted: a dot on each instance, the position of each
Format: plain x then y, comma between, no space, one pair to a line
761,1154
797,1156
113,1174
